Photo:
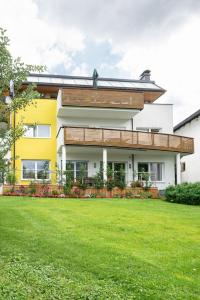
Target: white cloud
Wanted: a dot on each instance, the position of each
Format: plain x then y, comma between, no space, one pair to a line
81,70
175,66
35,40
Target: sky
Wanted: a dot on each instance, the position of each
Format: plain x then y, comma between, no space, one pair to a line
120,38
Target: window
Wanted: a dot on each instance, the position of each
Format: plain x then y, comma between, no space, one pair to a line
118,169
35,169
154,130
75,167
183,167
155,171
37,131
146,129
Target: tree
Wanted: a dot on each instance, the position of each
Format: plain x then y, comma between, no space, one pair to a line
12,71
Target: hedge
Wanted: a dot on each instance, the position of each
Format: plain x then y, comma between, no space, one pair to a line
185,193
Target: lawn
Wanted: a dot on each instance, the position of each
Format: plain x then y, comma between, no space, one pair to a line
98,249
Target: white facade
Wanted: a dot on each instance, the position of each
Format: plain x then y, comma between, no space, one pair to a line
152,117
190,171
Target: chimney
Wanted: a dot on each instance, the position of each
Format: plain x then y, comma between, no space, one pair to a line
145,76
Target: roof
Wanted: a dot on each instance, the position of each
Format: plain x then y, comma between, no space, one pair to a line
187,120
82,81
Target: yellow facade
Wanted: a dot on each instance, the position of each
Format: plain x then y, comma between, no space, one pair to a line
41,112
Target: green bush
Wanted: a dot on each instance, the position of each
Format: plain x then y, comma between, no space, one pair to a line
116,195
185,193
32,187
11,178
129,194
55,193
98,181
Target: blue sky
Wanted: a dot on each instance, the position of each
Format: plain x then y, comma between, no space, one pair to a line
121,38
96,54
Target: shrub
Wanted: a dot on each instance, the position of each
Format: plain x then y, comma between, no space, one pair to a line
110,184
116,195
82,184
11,178
32,188
185,193
93,195
129,194
98,181
22,189
55,193
68,180
136,183
45,190
120,180
146,195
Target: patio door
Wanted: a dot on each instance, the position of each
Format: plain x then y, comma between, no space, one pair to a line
117,168
75,167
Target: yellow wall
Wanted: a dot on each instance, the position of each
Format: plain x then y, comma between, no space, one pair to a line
42,111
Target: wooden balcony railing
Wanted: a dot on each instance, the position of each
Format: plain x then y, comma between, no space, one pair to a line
102,98
127,139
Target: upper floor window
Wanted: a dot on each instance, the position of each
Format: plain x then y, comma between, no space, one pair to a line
153,130
37,131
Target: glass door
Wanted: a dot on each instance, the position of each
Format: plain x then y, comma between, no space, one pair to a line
119,171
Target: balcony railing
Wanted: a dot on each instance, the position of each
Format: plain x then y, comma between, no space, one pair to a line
102,98
127,139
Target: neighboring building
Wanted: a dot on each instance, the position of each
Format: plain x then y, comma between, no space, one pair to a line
99,122
190,165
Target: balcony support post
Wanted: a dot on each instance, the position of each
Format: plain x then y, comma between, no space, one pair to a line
105,163
63,161
178,168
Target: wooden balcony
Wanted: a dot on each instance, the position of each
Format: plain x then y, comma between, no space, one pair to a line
127,139
102,98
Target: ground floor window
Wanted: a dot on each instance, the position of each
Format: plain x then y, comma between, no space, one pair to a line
75,168
35,169
118,168
154,169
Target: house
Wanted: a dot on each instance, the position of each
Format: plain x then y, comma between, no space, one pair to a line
98,123
190,165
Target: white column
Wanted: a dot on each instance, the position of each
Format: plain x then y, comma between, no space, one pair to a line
63,159
178,168
105,163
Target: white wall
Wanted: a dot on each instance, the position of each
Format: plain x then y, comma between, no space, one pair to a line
156,116
92,122
192,161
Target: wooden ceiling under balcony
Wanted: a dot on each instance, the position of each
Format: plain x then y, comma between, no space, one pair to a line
127,139
102,98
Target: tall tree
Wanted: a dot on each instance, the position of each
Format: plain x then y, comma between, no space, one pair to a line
13,72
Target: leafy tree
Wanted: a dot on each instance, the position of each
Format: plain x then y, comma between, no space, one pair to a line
12,70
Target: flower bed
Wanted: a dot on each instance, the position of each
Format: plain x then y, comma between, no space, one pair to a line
56,191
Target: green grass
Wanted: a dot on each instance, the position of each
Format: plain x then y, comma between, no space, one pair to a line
98,249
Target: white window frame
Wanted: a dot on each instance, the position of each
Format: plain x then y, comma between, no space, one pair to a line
75,167
149,167
35,170
36,131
